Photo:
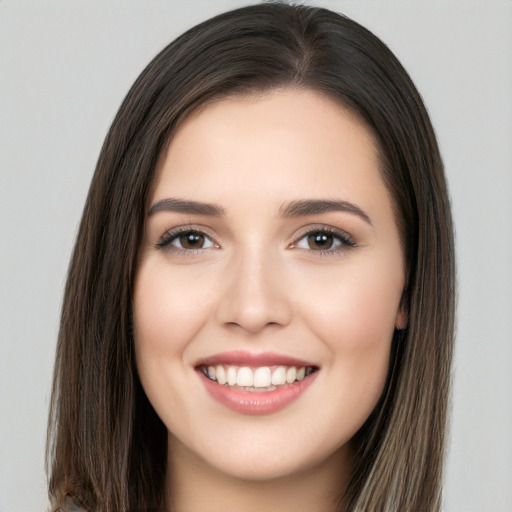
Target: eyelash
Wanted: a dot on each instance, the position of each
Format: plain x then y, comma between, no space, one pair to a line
344,239
170,236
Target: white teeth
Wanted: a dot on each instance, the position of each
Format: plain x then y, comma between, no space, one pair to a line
244,377
262,377
256,378
279,376
291,374
231,375
220,374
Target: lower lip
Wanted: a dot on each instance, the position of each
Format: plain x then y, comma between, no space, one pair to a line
254,402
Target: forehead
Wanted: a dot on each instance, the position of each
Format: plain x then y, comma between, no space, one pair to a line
286,138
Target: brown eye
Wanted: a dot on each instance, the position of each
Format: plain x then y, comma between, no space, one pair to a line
320,241
186,240
191,240
325,241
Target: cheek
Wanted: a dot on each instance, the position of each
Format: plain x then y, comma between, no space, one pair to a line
356,322
163,325
160,327
163,320
357,314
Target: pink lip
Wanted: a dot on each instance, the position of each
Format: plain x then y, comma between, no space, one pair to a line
255,402
252,359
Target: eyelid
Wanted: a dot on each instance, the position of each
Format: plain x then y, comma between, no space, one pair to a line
171,234
346,240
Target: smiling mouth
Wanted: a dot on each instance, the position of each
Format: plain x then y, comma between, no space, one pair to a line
256,379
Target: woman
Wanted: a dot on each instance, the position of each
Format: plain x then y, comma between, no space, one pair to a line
259,308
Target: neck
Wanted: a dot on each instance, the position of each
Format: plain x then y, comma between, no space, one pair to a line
192,484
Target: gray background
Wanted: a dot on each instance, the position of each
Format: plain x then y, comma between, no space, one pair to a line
64,69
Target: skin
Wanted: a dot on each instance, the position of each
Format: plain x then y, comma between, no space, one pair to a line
259,284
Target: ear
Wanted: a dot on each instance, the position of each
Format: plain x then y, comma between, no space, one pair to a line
402,315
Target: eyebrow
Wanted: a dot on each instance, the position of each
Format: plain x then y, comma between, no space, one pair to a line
184,206
317,206
292,209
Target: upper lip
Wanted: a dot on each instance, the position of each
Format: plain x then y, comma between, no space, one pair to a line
254,359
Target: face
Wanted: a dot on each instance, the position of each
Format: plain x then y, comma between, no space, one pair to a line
269,285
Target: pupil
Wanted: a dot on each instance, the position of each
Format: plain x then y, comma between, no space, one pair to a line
320,241
191,240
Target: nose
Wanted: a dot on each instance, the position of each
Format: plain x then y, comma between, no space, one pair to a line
254,296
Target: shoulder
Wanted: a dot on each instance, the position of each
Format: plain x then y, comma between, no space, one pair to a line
68,504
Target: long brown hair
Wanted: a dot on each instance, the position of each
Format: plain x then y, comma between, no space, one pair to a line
106,446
